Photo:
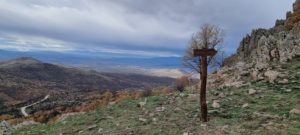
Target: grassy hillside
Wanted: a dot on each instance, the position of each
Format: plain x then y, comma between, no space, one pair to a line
26,80
264,111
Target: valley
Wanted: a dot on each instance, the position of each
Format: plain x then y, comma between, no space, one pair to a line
25,82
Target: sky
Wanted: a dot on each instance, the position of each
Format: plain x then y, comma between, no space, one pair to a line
145,28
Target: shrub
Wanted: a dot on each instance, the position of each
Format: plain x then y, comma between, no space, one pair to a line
164,90
182,82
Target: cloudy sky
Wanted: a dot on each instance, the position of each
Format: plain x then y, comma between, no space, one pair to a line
138,27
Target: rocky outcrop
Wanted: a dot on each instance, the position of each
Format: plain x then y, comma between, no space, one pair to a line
293,17
278,44
262,49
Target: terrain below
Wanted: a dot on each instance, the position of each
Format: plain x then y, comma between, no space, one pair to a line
257,108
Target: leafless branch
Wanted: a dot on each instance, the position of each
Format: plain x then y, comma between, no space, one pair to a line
209,36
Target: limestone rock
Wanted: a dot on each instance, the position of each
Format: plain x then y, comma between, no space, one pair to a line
222,95
254,75
284,81
216,104
263,46
5,128
252,92
160,109
142,119
193,97
91,127
271,75
25,124
245,105
100,130
142,104
295,111
288,90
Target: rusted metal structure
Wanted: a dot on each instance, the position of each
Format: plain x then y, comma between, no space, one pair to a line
203,54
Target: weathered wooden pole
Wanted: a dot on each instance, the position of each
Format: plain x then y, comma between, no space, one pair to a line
203,53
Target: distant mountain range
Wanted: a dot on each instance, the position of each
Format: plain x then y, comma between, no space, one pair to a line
101,61
24,79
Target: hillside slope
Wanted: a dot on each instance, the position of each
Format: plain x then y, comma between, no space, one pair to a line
257,108
26,80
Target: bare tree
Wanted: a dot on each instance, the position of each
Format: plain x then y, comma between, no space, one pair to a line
204,44
209,37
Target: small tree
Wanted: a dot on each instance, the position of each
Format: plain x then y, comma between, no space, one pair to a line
209,37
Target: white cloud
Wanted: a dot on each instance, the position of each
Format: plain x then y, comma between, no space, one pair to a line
33,43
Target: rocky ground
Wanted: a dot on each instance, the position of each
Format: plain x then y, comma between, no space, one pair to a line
255,107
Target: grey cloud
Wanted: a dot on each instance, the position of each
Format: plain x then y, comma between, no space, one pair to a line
144,25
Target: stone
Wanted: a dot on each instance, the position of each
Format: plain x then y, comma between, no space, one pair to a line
245,105
185,133
177,109
111,103
226,127
91,127
5,128
100,130
142,119
244,73
181,94
271,75
288,90
221,95
142,104
193,97
154,119
203,125
160,109
295,111
25,124
284,81
216,104
252,92
254,75
151,114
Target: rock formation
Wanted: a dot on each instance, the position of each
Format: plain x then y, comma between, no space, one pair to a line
293,17
278,44
263,48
